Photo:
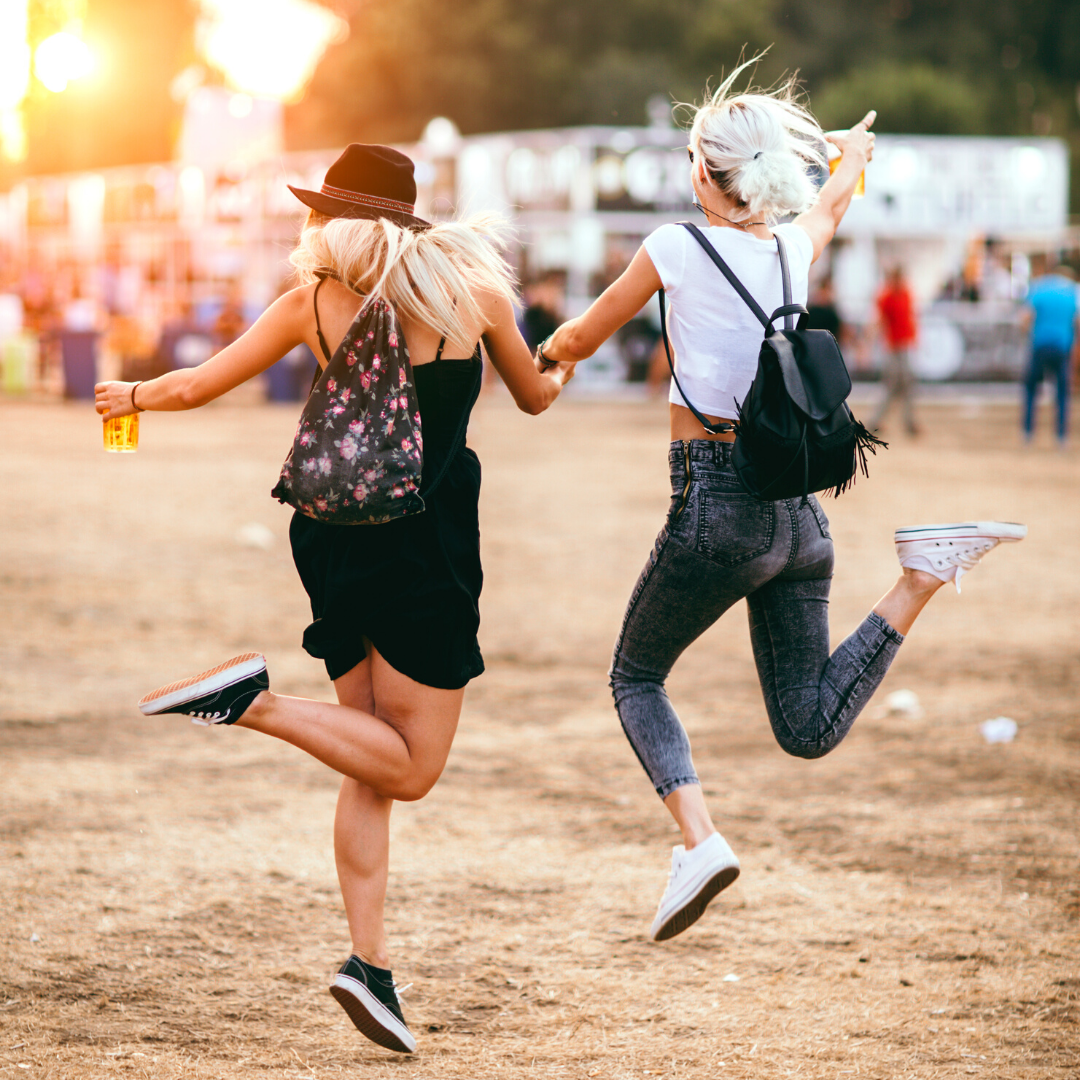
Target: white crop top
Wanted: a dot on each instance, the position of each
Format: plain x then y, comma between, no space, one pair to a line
715,337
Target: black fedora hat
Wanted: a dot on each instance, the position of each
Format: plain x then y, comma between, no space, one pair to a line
367,181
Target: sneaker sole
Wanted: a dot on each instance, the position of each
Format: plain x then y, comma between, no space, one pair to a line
689,914
1005,531
208,682
370,1016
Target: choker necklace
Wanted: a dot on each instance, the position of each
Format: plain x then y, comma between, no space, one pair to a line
744,225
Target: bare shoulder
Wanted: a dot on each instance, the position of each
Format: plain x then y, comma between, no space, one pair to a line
497,307
293,305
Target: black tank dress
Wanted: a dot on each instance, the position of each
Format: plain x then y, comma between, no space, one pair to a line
410,586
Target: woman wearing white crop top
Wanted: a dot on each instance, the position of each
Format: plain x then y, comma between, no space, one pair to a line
750,157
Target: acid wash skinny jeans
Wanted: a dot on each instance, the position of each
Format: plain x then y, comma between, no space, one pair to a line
720,545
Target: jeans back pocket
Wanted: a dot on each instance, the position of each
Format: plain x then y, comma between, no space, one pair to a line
734,527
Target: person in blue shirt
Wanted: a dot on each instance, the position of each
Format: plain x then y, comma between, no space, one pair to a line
1053,303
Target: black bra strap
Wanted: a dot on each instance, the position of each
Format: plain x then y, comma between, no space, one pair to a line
442,345
318,325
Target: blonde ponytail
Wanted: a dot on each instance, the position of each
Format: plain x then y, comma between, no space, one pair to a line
433,277
760,147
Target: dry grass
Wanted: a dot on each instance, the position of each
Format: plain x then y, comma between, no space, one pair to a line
909,906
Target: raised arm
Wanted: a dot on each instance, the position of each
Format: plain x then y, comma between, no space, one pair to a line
822,221
277,331
617,305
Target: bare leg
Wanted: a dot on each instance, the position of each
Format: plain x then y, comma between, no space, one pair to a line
362,854
900,606
687,806
398,749
362,838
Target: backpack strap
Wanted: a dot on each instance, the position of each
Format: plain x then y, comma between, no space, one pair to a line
787,310
726,270
785,276
318,325
720,428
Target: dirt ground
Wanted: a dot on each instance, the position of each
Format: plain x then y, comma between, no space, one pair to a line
909,906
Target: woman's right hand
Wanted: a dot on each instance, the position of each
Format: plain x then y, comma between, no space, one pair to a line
113,399
858,141
820,222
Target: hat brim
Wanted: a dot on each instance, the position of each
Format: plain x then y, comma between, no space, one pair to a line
342,208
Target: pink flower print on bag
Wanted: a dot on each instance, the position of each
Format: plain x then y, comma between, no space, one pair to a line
344,468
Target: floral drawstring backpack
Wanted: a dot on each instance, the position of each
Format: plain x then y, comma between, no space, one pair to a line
358,451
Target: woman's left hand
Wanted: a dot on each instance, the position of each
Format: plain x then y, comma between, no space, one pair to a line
112,399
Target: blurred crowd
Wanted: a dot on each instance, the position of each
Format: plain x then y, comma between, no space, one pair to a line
65,325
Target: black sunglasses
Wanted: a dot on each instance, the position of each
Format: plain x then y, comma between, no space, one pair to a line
691,153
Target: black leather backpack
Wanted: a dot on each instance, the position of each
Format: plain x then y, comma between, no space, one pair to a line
795,433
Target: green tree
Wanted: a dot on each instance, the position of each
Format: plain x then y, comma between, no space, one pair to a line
911,97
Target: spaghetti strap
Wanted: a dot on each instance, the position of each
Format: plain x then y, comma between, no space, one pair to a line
318,325
442,345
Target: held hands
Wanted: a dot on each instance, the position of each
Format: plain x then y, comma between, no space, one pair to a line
546,364
563,372
113,399
858,142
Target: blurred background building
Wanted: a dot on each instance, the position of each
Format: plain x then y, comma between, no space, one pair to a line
145,149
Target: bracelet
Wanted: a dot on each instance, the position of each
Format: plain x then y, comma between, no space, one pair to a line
540,353
134,387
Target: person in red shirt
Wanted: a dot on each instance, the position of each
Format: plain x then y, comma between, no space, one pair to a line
896,316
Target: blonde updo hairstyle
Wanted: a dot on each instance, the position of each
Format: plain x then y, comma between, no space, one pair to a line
759,147
432,275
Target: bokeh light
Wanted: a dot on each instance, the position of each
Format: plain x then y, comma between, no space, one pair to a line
14,53
14,78
267,48
62,58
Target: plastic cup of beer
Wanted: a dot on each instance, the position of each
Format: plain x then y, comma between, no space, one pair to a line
122,434
835,157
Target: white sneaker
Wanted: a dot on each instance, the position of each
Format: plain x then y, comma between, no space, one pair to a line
949,551
696,877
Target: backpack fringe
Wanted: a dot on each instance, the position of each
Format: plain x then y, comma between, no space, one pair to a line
865,441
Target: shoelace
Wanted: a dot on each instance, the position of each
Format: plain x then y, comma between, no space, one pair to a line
206,719
968,557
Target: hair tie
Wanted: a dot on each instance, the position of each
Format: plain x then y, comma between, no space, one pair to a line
757,155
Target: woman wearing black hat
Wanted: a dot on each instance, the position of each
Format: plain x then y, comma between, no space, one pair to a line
394,604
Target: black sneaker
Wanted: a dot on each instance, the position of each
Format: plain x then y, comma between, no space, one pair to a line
217,696
368,996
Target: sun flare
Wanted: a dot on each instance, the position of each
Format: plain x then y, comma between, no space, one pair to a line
267,48
62,59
